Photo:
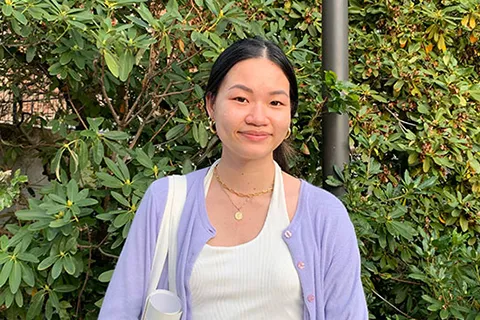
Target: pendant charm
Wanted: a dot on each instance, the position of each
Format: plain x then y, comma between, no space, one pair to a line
238,216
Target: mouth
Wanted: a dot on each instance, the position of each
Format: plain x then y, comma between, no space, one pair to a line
255,135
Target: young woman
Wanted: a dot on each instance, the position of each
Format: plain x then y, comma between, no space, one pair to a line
253,241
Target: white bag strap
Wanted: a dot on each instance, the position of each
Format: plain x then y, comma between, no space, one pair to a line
166,239
180,193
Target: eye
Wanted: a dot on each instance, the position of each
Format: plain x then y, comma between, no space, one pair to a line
240,99
277,103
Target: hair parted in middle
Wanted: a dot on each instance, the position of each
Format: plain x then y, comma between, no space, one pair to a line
252,48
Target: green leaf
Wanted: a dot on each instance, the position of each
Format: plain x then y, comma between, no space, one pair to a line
114,167
428,183
398,85
7,10
104,216
475,95
69,265
105,276
47,262
95,123
55,166
195,133
86,202
4,257
64,288
3,242
99,303
121,219
123,168
112,63
36,305
32,214
54,299
202,135
379,98
5,273
464,223
82,155
20,17
175,131
444,314
115,135
15,277
25,256
19,298
120,199
401,228
198,91
28,275
183,108
31,53
8,298
211,5
144,159
109,181
127,60
57,198
72,189
58,223
57,268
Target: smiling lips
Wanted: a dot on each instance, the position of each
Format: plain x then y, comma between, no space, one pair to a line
255,135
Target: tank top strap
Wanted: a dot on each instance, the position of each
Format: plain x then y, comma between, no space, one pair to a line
277,212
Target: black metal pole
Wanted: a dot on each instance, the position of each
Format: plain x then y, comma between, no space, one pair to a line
335,58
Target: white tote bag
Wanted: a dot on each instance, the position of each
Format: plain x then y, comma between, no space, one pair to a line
165,304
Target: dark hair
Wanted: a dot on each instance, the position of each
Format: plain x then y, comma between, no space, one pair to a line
256,48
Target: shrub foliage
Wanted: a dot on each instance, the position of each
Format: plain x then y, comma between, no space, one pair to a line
132,72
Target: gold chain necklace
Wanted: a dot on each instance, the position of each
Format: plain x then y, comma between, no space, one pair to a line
239,194
238,214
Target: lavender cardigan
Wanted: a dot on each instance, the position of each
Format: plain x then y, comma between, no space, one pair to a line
320,235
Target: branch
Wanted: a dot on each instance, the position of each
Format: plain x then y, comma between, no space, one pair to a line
105,95
75,109
147,118
149,75
391,305
107,254
163,125
401,122
169,64
171,93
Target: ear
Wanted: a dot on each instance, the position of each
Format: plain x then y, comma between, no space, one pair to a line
210,105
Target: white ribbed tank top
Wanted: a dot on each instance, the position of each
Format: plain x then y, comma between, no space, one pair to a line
254,280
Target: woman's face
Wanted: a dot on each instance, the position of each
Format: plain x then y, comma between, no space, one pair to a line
252,109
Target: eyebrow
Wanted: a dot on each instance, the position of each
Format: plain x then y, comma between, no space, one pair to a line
245,88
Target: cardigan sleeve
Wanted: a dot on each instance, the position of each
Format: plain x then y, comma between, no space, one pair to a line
126,291
344,296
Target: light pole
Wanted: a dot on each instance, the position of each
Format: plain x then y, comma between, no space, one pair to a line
335,58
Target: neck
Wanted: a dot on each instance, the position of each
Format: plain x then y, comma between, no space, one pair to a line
246,176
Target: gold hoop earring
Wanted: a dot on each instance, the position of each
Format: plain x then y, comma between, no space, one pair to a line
289,132
212,127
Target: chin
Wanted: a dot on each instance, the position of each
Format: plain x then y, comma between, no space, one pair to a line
254,155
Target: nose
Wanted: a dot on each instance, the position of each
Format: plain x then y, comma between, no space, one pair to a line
257,115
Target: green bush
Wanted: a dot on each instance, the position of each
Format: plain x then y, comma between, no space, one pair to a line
132,72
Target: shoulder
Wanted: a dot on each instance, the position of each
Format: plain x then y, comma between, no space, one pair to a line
160,186
322,206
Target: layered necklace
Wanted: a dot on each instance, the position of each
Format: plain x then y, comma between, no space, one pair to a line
249,196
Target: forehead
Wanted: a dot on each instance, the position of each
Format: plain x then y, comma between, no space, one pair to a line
256,72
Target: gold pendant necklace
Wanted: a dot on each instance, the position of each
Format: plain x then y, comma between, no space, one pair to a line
238,214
